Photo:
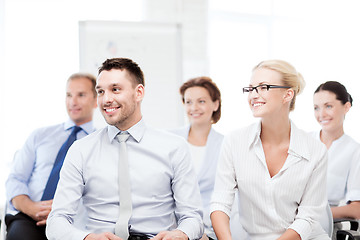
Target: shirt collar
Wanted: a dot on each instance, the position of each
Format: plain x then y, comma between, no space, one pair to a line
136,131
297,145
254,136
86,127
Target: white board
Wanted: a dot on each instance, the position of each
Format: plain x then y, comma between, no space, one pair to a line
156,47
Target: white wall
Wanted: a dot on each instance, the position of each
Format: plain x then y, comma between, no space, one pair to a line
193,17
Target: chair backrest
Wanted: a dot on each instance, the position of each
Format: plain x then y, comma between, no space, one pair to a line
6,210
344,233
326,221
3,226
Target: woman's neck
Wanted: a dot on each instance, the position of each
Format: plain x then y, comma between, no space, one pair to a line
275,131
328,137
198,134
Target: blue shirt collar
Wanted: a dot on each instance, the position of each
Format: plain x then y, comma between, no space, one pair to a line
86,127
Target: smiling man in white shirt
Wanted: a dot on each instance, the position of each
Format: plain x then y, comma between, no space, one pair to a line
166,202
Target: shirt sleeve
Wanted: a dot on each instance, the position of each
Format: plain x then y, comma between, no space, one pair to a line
60,223
187,194
21,170
353,182
225,182
314,200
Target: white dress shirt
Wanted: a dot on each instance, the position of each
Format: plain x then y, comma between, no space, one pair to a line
33,163
164,192
294,198
343,179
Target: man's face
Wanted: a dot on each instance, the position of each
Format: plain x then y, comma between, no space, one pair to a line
118,99
80,100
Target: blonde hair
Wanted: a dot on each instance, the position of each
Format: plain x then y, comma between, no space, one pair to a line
290,77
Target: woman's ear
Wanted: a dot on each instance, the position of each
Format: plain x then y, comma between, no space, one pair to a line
216,105
289,95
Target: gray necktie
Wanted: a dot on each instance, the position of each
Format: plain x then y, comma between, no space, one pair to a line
121,227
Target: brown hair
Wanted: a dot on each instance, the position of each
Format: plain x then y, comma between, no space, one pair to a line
210,86
124,63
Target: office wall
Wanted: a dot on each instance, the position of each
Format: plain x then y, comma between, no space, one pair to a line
156,47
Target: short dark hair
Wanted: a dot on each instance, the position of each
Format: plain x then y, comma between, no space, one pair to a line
124,63
338,89
88,76
210,86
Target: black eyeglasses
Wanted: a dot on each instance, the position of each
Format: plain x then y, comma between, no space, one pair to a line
262,88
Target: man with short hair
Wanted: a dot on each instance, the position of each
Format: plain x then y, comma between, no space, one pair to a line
29,189
161,187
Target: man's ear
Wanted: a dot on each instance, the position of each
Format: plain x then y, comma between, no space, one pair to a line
347,106
140,92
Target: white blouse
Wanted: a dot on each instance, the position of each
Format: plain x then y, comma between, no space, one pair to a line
198,156
294,198
343,181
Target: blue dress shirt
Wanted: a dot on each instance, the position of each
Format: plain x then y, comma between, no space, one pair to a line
164,189
33,163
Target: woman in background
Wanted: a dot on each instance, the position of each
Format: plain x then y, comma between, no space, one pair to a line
277,169
331,104
202,101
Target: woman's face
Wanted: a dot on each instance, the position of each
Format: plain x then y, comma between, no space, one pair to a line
199,106
267,102
329,111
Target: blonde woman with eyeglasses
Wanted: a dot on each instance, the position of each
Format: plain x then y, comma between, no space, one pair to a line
278,170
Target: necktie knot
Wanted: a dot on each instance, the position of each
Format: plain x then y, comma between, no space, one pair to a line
76,129
122,137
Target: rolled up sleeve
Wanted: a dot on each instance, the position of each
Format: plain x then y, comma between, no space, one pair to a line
314,200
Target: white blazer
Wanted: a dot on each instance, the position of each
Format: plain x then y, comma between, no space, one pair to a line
207,172
206,180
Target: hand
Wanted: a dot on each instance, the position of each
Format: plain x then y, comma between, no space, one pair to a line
171,235
39,211
204,237
102,236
